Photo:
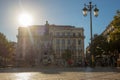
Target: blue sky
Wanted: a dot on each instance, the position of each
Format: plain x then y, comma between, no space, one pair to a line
59,12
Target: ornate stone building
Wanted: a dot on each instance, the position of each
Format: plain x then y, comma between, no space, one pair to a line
43,44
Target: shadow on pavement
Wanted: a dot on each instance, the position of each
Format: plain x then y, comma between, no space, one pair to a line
55,70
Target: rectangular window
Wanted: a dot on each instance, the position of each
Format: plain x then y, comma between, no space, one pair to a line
63,33
63,47
79,34
57,34
57,41
68,33
68,41
79,42
74,41
63,41
74,34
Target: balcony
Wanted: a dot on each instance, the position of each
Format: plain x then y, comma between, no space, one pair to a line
69,36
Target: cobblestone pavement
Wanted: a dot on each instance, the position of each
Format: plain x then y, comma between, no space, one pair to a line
60,74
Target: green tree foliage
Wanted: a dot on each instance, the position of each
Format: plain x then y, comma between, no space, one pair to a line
116,20
67,55
115,35
6,50
100,46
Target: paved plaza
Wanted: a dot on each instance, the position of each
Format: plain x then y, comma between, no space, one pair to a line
60,74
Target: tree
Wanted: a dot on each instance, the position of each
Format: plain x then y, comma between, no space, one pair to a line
67,55
100,46
115,35
6,50
116,20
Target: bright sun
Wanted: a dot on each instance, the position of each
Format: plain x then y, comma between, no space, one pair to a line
25,19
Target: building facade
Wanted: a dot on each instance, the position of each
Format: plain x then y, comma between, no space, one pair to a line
43,44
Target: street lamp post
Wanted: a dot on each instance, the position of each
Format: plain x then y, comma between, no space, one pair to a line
88,8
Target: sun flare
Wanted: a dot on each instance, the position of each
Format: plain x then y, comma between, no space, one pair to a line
25,19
